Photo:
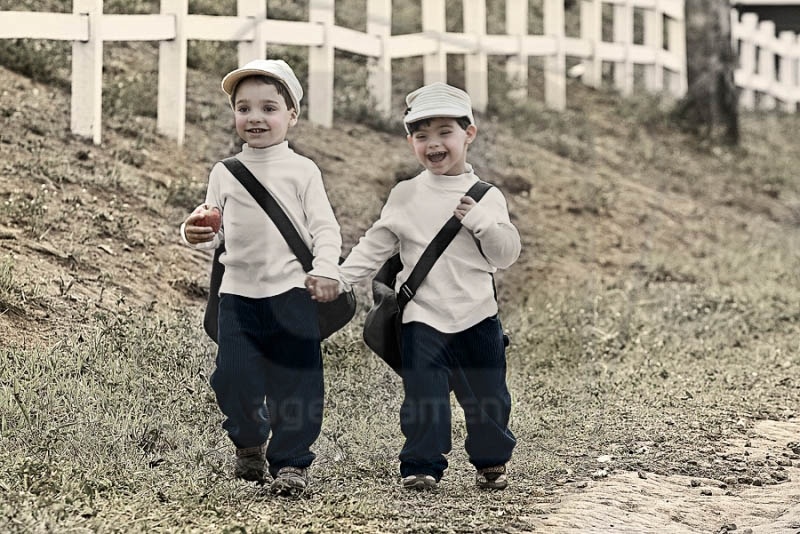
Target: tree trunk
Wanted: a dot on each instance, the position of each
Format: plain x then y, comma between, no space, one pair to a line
710,107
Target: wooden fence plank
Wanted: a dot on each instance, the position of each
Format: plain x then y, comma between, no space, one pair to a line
476,66
320,65
137,28
379,75
591,13
86,107
35,25
747,59
555,83
623,34
654,40
355,41
676,44
256,46
413,44
517,63
434,64
172,72
789,70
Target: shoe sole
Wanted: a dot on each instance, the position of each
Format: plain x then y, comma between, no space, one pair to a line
287,488
419,485
251,476
499,484
493,486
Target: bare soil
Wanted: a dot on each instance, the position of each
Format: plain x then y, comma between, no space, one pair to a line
641,502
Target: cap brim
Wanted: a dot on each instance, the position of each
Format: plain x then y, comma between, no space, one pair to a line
415,116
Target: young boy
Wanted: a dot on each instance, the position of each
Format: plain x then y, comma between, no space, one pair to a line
268,376
450,336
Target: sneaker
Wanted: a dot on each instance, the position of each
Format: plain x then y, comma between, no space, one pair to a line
492,477
420,482
251,464
290,481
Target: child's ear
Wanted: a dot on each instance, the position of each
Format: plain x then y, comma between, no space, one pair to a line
472,133
293,118
410,140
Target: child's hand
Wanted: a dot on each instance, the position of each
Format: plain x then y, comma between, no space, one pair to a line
202,225
465,204
322,289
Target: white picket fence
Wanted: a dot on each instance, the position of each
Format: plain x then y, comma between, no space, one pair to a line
659,51
769,65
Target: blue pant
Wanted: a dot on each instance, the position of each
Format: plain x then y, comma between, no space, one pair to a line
473,364
269,375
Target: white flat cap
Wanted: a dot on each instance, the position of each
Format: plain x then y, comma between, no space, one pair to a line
274,68
437,100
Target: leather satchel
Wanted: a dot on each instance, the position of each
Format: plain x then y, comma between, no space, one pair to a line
332,315
383,321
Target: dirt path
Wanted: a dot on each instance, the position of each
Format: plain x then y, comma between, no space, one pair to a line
628,503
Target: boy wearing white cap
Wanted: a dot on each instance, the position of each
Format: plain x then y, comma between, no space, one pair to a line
268,377
451,337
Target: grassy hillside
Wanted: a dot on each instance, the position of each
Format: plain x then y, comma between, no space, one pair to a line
653,312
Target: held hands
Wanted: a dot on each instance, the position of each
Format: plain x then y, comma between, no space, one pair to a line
465,204
202,224
322,289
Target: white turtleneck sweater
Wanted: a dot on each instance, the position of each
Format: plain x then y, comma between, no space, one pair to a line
458,291
258,261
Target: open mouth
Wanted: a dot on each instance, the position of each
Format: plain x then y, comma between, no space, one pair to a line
436,157
256,130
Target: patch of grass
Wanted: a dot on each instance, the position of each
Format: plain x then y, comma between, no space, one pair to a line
41,61
15,296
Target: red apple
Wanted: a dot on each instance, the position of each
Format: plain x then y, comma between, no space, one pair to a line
211,216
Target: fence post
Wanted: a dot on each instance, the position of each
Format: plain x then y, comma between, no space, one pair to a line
788,70
86,109
434,65
171,116
555,66
654,40
623,33
320,66
517,65
747,59
592,32
257,48
676,43
766,63
476,75
379,75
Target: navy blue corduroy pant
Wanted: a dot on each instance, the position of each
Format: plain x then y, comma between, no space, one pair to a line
269,377
473,363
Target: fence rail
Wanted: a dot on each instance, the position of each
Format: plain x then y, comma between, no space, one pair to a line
769,65
659,49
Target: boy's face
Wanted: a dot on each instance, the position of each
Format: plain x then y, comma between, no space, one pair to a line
261,115
441,145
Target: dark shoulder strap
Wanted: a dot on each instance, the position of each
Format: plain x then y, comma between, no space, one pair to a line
435,249
273,209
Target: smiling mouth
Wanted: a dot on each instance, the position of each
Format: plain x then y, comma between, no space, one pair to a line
256,130
436,157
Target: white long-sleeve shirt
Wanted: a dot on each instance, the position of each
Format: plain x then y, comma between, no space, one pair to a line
457,292
258,261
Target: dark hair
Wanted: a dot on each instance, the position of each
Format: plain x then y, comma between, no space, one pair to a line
464,122
269,80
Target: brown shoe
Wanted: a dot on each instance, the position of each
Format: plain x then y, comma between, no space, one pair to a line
251,463
492,477
419,482
290,481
